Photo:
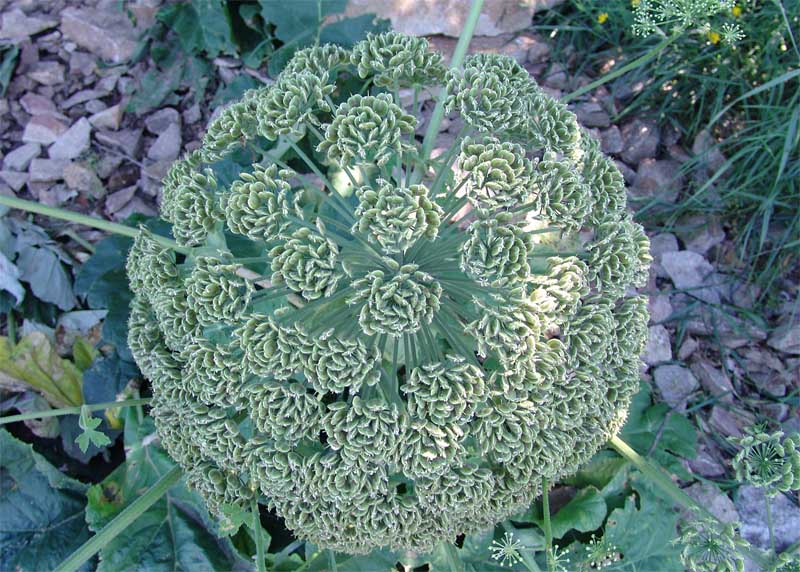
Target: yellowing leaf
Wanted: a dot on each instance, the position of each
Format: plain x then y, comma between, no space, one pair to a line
33,362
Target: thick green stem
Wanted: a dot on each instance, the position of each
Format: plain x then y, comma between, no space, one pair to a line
260,555
11,327
438,112
72,410
122,521
548,530
657,49
93,222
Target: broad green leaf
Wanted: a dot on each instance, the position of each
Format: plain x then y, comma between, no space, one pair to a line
155,86
234,90
598,472
298,18
348,31
33,362
644,535
46,427
107,379
41,510
48,280
202,27
110,254
647,422
175,534
585,513
9,279
83,353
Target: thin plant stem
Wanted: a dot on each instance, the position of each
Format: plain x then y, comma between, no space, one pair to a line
770,527
657,49
11,326
260,563
122,521
548,529
332,561
72,410
438,111
85,220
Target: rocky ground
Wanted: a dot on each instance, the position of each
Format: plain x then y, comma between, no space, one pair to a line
66,139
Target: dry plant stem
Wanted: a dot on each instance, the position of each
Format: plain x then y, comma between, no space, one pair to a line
438,111
121,521
72,410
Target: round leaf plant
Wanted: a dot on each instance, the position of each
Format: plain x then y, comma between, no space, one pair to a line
387,346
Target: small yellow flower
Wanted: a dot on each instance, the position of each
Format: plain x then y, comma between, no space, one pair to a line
714,37
736,11
602,17
635,3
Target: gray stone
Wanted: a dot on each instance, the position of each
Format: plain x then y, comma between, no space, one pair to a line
118,199
627,173
641,140
660,308
713,500
592,114
73,142
705,464
448,16
104,31
81,178
47,170
21,157
751,505
713,380
83,64
675,383
14,179
35,104
47,73
688,347
134,206
94,106
611,140
538,52
786,338
729,423
659,180
660,244
127,140
556,77
16,25
55,195
658,348
700,233
81,97
109,118
167,145
686,269
43,129
156,123
192,115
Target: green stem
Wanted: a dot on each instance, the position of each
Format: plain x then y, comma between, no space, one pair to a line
438,112
332,561
548,530
93,222
122,521
11,326
72,410
769,523
260,564
624,69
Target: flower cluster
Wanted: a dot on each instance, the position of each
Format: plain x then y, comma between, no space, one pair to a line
767,461
390,350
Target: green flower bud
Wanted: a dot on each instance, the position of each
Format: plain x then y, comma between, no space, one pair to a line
563,196
362,429
307,263
767,462
396,217
319,60
401,304
194,208
214,292
286,411
496,252
708,546
235,125
396,60
291,103
619,255
499,174
258,203
367,129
